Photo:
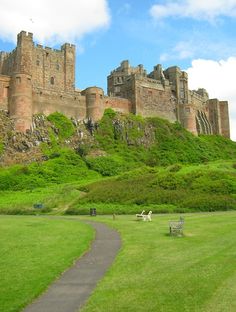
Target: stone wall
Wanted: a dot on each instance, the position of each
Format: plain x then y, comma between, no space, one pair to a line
48,68
214,115
118,104
154,99
47,102
7,62
34,79
198,104
4,92
224,116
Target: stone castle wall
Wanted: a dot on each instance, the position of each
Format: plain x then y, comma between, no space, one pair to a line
154,99
4,91
36,79
47,102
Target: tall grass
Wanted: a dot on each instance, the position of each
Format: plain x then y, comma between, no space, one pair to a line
175,188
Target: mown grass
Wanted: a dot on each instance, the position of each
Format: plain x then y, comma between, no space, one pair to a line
155,272
34,251
54,198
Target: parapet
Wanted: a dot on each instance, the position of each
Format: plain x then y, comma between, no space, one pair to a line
67,46
23,35
203,92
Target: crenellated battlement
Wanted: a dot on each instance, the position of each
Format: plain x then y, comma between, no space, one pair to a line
37,79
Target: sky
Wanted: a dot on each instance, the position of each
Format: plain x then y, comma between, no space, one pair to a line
196,35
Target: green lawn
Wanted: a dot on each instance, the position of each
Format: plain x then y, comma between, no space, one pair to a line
33,252
156,272
152,272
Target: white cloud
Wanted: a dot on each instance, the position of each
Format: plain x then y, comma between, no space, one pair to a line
52,21
198,9
219,80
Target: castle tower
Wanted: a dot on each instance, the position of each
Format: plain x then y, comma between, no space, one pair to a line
24,53
224,116
20,104
185,112
94,103
69,66
20,97
219,117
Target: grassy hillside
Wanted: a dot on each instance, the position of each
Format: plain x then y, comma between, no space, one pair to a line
156,142
177,188
146,157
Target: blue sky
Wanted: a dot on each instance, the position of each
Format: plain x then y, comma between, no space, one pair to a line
197,35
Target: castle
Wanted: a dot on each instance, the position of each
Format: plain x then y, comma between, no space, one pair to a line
34,79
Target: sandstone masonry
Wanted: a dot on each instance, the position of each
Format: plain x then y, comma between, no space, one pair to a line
36,79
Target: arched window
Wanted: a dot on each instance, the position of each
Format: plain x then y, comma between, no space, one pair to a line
18,80
52,80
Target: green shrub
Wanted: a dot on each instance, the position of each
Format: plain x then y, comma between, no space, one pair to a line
106,166
66,166
77,211
19,211
109,112
175,168
206,202
64,125
1,148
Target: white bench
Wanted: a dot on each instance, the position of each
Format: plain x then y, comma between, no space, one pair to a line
139,216
148,217
144,217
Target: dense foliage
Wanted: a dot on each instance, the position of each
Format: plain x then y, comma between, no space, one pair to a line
156,142
209,187
62,167
150,161
64,126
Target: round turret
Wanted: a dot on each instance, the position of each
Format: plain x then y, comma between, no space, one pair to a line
94,103
20,104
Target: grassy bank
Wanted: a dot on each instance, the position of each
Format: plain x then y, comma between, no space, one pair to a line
176,188
172,189
155,272
137,163
34,251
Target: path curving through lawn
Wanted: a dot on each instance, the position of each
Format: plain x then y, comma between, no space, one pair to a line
72,289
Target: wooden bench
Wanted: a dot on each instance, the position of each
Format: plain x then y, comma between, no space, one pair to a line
176,227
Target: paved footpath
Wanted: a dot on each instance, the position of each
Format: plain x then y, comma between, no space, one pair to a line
72,289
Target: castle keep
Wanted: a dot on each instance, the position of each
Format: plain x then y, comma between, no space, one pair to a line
34,79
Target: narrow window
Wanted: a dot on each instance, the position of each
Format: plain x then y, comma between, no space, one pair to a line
37,62
52,80
18,79
58,66
5,92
